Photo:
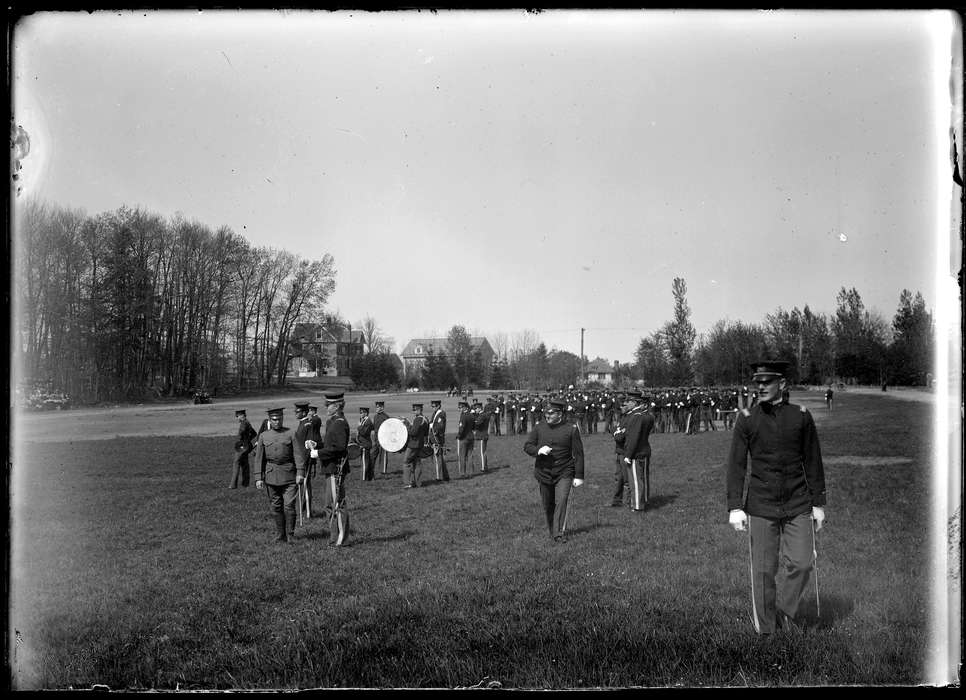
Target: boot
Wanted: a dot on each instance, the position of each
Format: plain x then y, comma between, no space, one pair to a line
290,527
280,535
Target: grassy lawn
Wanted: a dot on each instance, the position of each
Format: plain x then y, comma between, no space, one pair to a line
135,567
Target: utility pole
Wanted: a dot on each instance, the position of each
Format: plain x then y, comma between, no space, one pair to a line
580,379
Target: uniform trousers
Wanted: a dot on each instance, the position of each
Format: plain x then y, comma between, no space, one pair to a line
439,461
464,453
620,477
481,443
367,463
335,507
240,470
282,503
380,458
781,562
412,467
639,482
555,497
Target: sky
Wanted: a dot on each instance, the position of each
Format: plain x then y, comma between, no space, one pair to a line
516,172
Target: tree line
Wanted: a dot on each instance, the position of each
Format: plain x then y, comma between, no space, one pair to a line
854,345
127,304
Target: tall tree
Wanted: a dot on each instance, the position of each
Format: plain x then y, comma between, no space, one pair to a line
911,353
459,347
679,335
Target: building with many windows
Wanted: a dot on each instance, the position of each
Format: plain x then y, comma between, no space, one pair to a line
414,354
319,351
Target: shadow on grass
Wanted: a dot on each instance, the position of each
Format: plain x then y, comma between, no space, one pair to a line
834,610
656,502
490,470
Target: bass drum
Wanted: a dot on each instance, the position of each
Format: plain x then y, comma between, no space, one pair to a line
353,451
393,435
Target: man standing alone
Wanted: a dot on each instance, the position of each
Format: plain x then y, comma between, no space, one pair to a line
785,497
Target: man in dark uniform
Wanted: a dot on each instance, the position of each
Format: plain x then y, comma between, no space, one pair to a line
481,427
638,423
558,465
304,430
437,438
243,448
380,457
418,429
620,496
828,398
464,438
280,460
333,456
511,415
364,434
785,497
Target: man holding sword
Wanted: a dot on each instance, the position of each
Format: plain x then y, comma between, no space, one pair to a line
785,502
558,465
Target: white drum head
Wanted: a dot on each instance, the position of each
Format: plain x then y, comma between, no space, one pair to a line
393,435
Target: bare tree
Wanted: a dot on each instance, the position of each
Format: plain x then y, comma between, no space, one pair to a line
373,337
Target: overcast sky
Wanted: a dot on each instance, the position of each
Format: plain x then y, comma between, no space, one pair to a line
508,171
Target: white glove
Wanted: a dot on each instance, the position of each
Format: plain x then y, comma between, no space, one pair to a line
310,444
627,460
737,519
545,450
258,483
818,515
299,479
314,453
578,482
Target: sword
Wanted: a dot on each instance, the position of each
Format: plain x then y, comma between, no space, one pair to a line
818,605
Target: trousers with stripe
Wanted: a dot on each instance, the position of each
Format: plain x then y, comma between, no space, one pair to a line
439,462
781,551
638,482
335,506
464,454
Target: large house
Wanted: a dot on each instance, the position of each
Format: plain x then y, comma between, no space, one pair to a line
599,371
414,354
320,351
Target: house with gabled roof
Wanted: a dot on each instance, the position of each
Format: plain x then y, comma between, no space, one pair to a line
320,351
600,371
414,353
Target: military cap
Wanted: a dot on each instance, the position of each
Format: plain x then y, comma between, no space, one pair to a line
313,408
302,406
240,412
380,404
417,405
634,395
435,402
558,404
334,395
363,409
463,404
477,403
275,412
766,369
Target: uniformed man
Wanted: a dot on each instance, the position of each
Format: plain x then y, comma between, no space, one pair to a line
304,430
364,435
280,460
418,429
785,498
620,496
828,398
464,438
511,415
638,423
481,423
331,446
437,438
380,457
558,465
244,443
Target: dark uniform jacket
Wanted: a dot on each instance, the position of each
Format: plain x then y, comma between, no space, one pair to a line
364,432
639,424
418,430
787,477
438,427
481,425
246,434
332,446
279,457
566,458
464,430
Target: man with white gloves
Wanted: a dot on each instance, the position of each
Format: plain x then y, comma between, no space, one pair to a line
785,494
558,465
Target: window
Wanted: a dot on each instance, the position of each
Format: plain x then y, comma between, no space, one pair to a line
419,349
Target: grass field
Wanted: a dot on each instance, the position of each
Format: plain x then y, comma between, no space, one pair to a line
135,567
